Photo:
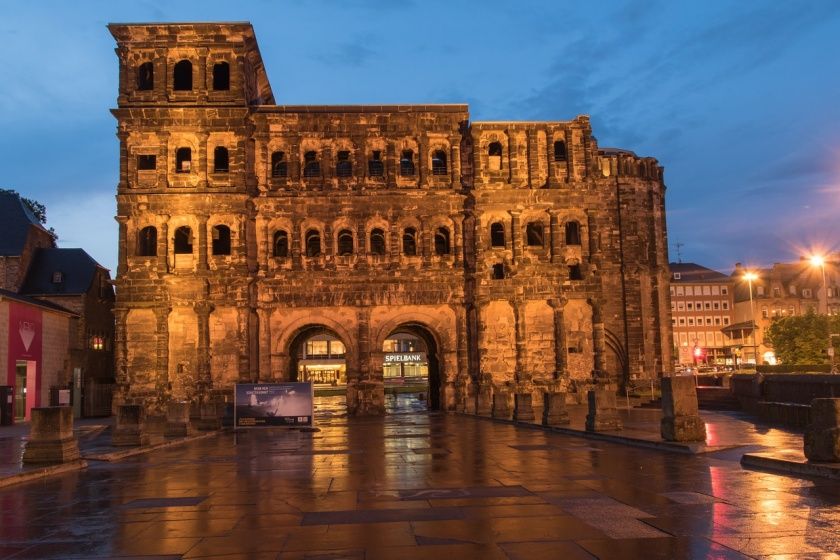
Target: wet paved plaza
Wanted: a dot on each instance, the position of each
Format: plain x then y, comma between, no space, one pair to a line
417,485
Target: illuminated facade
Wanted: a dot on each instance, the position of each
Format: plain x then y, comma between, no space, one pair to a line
521,254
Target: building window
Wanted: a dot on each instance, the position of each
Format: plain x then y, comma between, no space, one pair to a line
680,306
221,76
345,242
572,233
183,75
57,277
146,162
497,234
717,320
689,290
409,240
311,165
183,160
725,305
494,156
806,292
759,290
559,150
313,243
220,160
146,76
793,290
691,321
682,321
498,271
442,241
221,240
676,276
183,241
575,272
147,242
97,342
534,234
439,162
690,306
279,166
724,290
407,163
716,305
377,242
281,244
777,292
375,166
343,165
707,305
726,320
764,313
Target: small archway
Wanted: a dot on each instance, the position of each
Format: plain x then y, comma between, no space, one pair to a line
411,355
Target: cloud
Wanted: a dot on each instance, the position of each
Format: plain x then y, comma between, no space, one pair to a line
354,54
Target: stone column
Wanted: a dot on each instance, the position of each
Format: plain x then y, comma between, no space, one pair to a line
202,242
423,171
366,397
603,414
484,399
51,438
559,337
515,236
521,377
130,427
523,410
295,245
203,310
361,246
121,354
327,242
203,86
122,263
556,237
501,404
457,235
455,160
162,351
163,244
265,374
177,419
680,415
599,340
822,436
462,376
554,409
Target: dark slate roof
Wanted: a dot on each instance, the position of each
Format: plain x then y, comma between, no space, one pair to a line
75,265
37,302
693,273
15,221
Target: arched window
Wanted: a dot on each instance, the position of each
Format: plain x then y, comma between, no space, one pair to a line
183,160
147,242
439,162
497,234
377,242
442,241
407,163
311,165
343,165
221,160
572,233
279,166
281,244
409,241
183,76
534,234
375,166
146,162
183,241
559,150
494,156
221,76
146,76
313,243
345,242
221,240
575,273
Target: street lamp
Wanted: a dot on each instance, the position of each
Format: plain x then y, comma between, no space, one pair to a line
819,260
749,277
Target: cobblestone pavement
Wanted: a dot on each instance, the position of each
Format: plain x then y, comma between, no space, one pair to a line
418,485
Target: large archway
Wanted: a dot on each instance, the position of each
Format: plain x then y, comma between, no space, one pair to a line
411,361
318,355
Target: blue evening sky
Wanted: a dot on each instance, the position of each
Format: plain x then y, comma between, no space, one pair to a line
739,100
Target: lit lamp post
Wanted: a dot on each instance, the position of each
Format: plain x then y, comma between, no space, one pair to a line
819,260
749,277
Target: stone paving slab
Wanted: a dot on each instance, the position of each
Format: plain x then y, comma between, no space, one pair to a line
791,461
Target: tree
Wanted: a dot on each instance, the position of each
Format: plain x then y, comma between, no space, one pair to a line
37,209
802,339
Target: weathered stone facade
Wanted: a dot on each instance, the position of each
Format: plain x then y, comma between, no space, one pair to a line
523,255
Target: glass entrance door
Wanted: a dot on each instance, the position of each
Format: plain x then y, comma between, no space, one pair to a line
20,390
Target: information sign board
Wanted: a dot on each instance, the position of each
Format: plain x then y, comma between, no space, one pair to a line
273,404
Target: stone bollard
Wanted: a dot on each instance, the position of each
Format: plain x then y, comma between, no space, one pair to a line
523,410
501,405
603,414
470,402
680,416
554,409
822,437
210,417
130,427
177,419
484,400
51,437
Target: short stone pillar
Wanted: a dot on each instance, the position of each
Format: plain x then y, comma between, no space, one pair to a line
210,417
603,414
554,409
680,416
484,400
51,437
470,401
130,427
501,405
366,398
523,410
177,419
822,437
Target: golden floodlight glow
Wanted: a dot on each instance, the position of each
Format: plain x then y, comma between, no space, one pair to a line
817,260
750,276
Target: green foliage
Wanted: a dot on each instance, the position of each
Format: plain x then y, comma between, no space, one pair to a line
802,339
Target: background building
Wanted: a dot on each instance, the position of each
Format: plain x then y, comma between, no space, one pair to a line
702,304
520,255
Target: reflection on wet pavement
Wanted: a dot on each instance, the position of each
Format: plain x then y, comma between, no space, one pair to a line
418,485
